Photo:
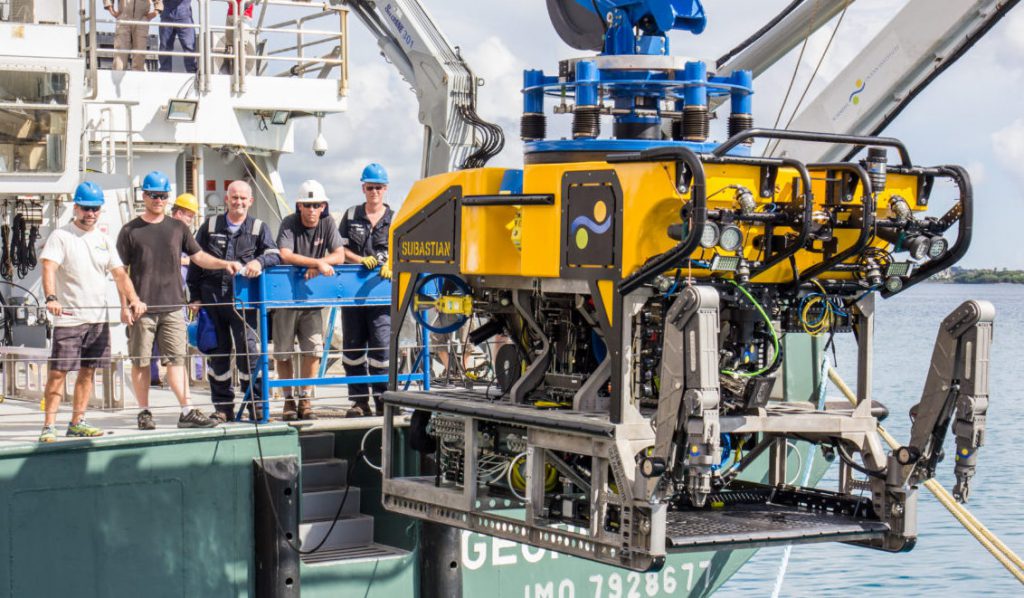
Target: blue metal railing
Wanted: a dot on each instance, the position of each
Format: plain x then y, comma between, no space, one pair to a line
286,287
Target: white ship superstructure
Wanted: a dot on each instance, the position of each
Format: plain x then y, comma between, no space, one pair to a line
67,116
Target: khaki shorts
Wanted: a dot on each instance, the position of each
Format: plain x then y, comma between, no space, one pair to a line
305,324
169,331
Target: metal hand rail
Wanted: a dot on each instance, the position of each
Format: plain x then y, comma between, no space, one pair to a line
241,59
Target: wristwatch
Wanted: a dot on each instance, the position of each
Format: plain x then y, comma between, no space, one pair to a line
50,298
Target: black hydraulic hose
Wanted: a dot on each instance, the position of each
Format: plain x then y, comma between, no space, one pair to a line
966,223
832,138
698,211
867,224
19,246
6,268
30,255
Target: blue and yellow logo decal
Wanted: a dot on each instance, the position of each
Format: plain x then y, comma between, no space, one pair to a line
860,85
599,225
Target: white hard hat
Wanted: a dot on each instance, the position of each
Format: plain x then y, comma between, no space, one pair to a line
311,192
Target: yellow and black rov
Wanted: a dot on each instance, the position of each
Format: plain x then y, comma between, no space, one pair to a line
642,289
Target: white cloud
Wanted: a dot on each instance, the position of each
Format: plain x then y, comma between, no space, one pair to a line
978,172
1008,147
1010,41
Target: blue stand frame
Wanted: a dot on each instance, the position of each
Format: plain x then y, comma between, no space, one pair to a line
285,287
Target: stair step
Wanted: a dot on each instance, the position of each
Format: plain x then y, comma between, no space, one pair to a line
349,531
316,446
370,551
324,474
323,504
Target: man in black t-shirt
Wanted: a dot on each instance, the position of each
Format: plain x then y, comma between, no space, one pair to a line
151,246
308,238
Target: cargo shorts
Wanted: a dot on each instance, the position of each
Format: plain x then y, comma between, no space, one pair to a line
168,329
306,325
82,346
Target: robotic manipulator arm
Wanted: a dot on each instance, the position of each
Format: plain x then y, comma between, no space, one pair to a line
957,386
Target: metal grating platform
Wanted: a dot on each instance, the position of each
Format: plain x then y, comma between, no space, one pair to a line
763,524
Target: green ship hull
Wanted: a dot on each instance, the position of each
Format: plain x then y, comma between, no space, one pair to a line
172,513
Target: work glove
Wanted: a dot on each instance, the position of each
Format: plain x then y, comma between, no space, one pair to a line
385,272
369,262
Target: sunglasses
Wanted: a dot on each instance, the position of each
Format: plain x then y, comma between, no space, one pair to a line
374,187
311,206
89,208
157,196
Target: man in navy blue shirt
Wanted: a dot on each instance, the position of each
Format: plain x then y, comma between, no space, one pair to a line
234,237
366,331
177,12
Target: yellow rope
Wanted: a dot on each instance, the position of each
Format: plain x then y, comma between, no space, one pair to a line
1002,553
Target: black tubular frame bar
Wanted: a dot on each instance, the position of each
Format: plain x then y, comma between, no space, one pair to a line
546,199
698,207
833,138
867,224
959,175
804,202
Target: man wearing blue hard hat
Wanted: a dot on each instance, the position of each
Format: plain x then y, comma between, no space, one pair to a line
366,331
151,246
76,260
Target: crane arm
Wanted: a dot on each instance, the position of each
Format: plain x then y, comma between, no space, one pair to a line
445,87
922,40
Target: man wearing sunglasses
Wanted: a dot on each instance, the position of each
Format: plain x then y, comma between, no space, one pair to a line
309,239
151,246
366,331
76,260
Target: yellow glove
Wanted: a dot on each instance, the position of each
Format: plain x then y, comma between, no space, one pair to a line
369,262
385,272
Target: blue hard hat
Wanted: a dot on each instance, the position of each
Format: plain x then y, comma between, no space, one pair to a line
89,194
156,181
374,173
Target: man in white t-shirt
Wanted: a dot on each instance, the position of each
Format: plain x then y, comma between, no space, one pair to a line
76,260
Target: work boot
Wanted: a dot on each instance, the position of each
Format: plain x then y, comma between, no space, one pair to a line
361,409
196,419
306,410
289,413
255,410
220,417
146,420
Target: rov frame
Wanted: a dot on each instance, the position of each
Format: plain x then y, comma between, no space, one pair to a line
642,462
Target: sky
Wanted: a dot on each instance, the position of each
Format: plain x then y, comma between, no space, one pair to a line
971,115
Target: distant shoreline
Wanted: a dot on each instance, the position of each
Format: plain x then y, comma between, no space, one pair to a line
980,276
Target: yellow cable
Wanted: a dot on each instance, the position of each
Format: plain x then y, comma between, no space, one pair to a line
1002,553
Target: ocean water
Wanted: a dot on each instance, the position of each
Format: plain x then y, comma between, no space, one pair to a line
946,560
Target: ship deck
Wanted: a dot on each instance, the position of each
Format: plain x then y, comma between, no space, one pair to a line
21,420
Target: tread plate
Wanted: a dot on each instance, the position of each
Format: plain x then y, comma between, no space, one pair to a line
762,524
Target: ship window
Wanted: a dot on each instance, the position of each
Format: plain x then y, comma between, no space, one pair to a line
33,121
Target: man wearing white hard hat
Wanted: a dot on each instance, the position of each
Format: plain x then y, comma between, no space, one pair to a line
308,238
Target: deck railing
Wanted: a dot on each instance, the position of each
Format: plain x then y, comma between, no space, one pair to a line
307,43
